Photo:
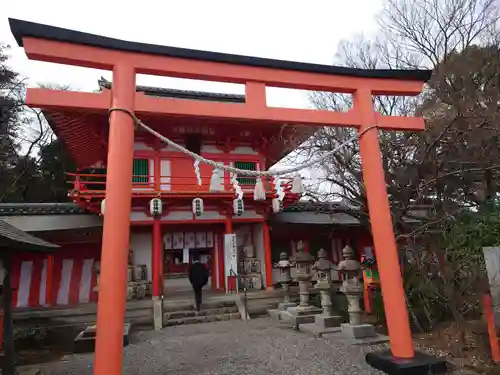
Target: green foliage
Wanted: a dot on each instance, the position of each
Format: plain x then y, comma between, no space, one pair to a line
448,279
471,231
378,307
24,178
340,305
30,337
55,162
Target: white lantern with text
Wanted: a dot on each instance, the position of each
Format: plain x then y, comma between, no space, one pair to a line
238,207
155,207
198,206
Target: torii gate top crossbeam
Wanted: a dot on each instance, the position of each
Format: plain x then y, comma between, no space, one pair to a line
53,44
23,31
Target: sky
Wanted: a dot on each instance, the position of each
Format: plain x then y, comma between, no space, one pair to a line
306,31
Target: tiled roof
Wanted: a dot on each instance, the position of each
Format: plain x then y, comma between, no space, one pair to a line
12,237
315,218
19,209
333,213
181,94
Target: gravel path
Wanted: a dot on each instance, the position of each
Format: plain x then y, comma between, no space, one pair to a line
258,346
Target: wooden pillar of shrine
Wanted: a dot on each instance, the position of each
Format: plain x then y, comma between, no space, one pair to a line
268,255
49,288
228,229
157,259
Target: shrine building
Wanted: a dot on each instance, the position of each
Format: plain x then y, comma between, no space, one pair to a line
162,246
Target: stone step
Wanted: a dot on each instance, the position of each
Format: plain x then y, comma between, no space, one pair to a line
202,319
203,312
180,275
174,306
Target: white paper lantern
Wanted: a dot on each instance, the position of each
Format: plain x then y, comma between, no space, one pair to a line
198,206
238,207
155,207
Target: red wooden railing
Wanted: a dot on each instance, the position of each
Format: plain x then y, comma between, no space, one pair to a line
89,184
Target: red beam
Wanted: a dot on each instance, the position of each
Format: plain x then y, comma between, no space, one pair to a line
92,102
99,58
68,100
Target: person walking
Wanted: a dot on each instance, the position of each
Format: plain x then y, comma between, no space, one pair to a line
198,277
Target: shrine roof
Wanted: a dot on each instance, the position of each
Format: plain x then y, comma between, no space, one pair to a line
52,208
21,29
331,213
14,238
180,94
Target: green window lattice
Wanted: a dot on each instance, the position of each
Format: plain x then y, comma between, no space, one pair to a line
140,171
249,166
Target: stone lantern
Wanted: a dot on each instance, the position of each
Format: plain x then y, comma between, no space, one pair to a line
303,313
323,269
303,262
285,266
352,289
325,322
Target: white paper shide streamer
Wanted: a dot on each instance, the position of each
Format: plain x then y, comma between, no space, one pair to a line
217,178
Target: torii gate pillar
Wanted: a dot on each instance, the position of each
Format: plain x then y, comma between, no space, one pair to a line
383,233
116,230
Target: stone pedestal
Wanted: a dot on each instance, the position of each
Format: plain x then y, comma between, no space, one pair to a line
354,310
356,332
325,322
85,341
359,331
157,313
299,315
286,304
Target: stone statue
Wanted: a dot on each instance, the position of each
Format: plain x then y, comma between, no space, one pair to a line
248,249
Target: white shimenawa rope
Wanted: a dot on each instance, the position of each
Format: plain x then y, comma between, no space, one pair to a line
240,172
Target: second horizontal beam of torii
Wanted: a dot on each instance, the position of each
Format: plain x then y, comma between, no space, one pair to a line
253,111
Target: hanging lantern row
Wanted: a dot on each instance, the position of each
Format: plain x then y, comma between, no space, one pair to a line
217,184
198,207
155,207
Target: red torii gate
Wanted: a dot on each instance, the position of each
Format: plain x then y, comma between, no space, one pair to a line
126,59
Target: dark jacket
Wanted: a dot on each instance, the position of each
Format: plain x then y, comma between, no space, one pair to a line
198,275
